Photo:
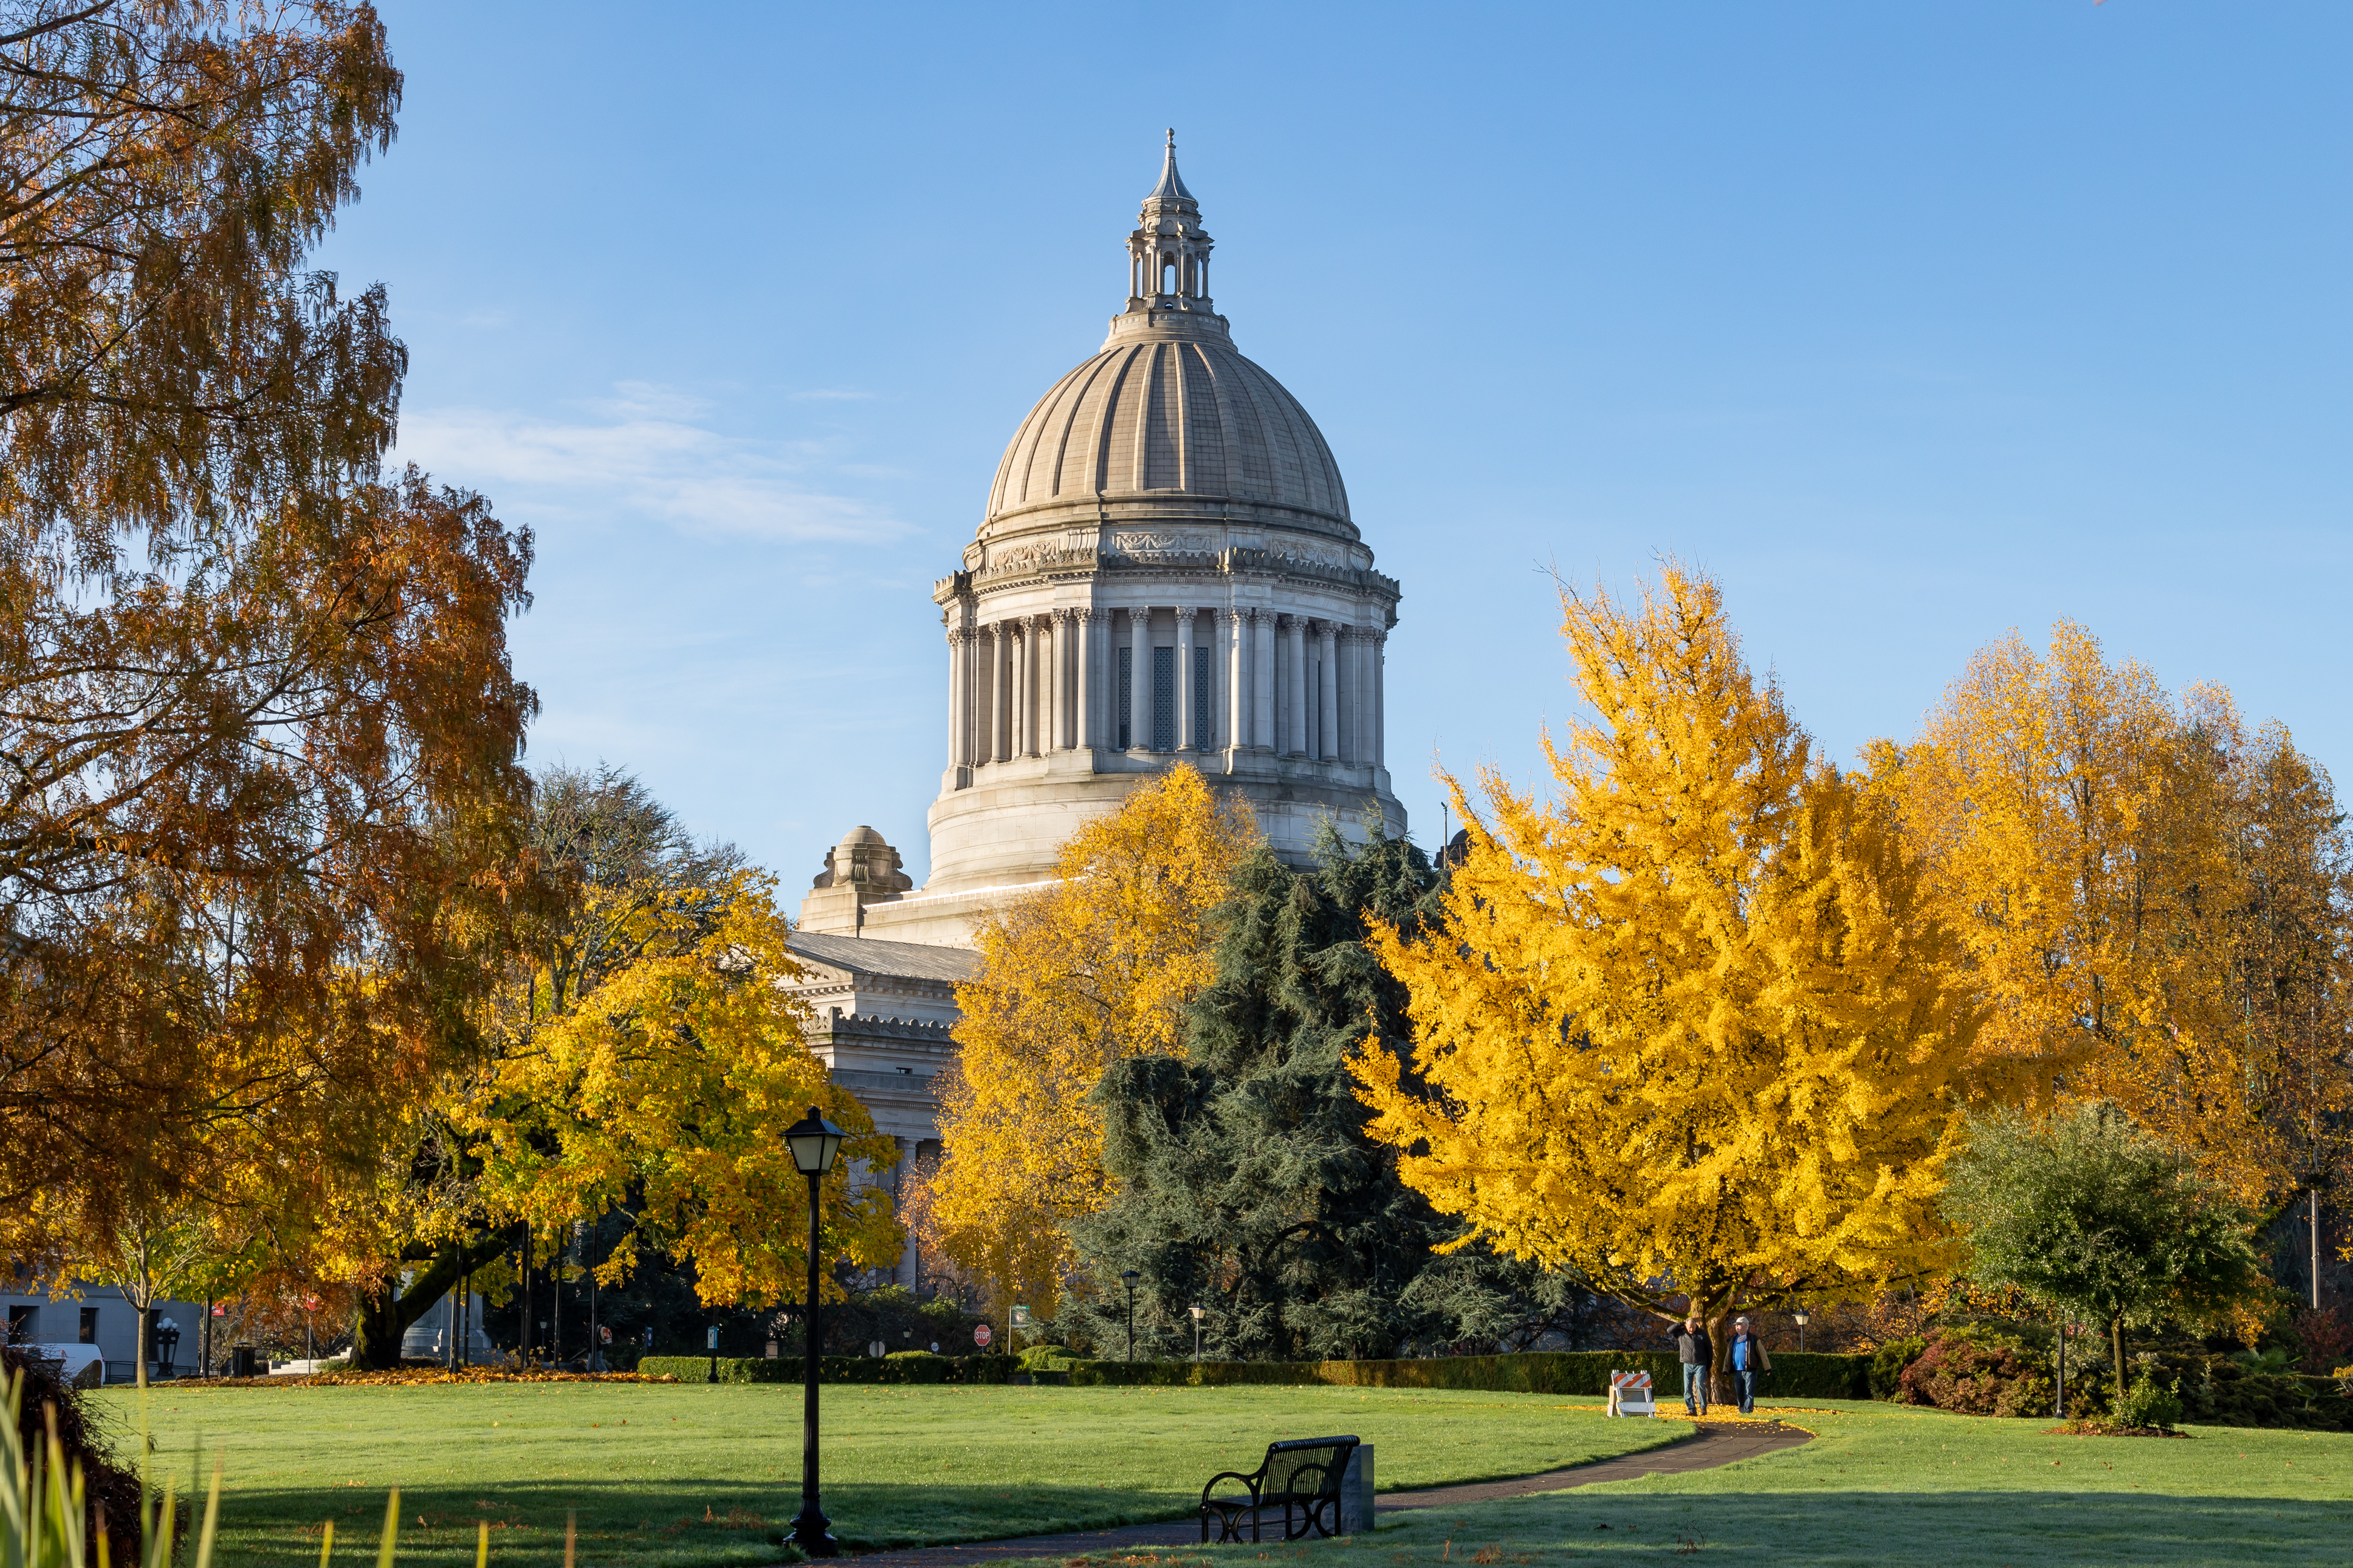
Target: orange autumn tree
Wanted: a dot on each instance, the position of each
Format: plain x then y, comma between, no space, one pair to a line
2151,899
1098,966
1685,1028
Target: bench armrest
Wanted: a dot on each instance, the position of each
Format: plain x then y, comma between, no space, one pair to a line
1251,1481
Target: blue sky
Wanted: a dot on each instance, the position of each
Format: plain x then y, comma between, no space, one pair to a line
1911,322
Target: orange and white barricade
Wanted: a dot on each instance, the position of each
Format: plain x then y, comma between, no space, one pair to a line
1629,1393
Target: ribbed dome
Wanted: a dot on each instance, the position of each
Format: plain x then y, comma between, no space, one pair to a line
1166,413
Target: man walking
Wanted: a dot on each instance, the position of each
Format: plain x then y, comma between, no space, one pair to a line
1749,1358
1696,1354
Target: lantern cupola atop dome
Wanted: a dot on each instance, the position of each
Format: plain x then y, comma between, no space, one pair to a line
1168,254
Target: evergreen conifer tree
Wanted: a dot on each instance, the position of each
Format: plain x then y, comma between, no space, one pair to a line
1245,1182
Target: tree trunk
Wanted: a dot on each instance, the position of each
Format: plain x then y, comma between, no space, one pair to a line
2116,1328
1720,1390
145,1312
383,1317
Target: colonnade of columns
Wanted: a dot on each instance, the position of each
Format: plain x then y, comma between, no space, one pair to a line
1293,685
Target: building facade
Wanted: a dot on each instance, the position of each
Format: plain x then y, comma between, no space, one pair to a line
1166,572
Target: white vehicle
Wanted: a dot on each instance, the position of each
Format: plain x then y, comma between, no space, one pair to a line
84,1367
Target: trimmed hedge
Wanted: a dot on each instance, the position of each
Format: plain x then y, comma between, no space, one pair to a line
1795,1374
834,1368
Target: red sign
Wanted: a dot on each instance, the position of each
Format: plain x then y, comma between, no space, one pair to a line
605,1331
220,1309
980,1336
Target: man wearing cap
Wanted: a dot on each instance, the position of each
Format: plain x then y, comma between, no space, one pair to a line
1694,1350
1749,1359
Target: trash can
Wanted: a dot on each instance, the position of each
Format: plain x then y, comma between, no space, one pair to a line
240,1361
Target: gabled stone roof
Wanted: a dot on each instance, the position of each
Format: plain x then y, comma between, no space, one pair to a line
901,959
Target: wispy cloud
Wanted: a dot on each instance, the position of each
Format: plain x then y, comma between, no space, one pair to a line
645,449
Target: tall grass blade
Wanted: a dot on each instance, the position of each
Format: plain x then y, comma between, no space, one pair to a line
483,1544
14,1497
159,1532
391,1530
212,1522
327,1544
570,1534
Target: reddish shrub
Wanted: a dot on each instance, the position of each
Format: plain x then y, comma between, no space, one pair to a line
1981,1376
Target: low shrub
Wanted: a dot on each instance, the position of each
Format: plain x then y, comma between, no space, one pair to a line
918,1366
2149,1403
1975,1372
1795,1376
1887,1364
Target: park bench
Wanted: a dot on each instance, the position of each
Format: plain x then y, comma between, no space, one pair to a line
1629,1393
1305,1474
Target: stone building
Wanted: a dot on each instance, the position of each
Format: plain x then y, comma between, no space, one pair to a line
1166,571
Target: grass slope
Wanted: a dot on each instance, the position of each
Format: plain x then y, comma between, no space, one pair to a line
692,1474
1885,1484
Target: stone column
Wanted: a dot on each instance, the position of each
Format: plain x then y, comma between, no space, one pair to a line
1236,658
1139,706
1186,738
1380,700
1359,664
1000,692
1294,744
1066,675
1017,690
899,1174
1048,680
1327,727
1095,638
1262,708
1344,671
955,699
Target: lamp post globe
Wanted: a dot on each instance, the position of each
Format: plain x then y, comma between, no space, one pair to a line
814,1142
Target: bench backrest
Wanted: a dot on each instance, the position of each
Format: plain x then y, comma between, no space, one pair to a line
1307,1466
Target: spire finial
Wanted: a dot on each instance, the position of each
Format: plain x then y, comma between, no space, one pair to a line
1171,187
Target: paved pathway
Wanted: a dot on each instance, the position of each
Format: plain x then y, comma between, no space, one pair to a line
1715,1442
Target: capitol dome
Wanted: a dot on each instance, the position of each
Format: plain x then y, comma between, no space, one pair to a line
1166,572
1169,409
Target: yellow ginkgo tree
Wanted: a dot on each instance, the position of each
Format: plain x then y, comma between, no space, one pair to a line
1685,1028
1093,967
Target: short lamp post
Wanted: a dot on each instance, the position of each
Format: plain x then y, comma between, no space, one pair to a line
1131,1277
1800,1316
814,1141
1198,1313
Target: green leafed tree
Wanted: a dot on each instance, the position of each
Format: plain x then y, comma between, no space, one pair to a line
2088,1214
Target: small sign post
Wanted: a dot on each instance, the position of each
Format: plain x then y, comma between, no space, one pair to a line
715,1354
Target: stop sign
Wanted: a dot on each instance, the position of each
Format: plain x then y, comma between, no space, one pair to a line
980,1336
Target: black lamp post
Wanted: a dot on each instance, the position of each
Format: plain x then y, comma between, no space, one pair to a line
1131,1277
1800,1316
814,1141
1198,1313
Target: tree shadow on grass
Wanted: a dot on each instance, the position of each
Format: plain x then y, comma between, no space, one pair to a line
666,1522
1835,1530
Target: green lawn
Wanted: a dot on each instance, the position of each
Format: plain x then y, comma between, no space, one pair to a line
1884,1484
702,1474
